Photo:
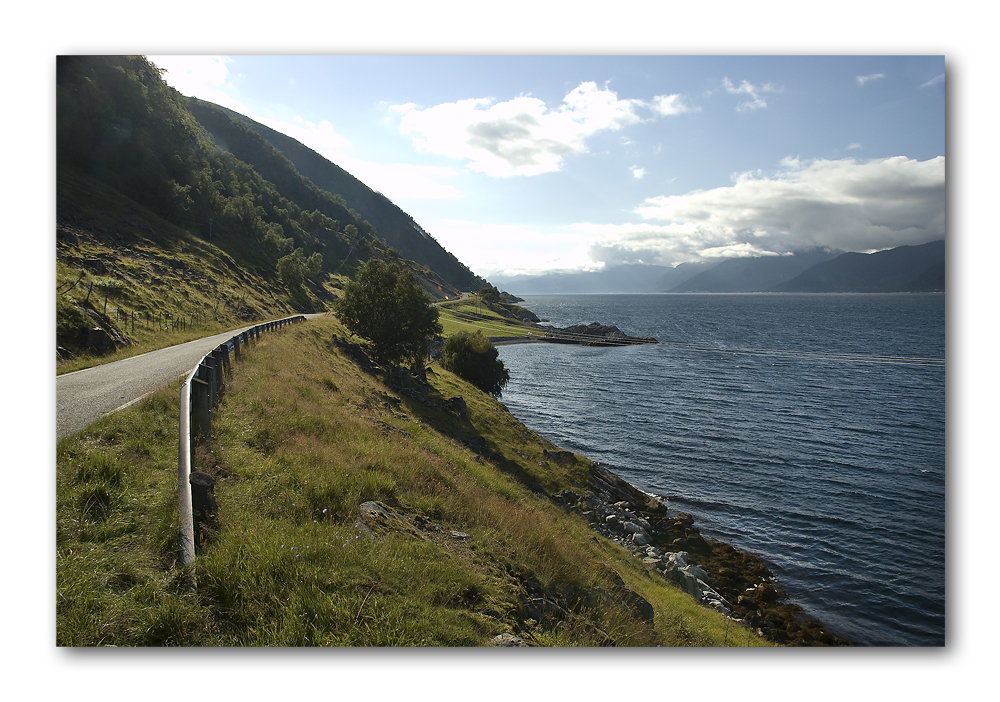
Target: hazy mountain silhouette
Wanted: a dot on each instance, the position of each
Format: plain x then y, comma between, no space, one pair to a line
753,274
903,269
627,278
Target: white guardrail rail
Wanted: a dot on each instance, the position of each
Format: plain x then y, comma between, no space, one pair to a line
200,395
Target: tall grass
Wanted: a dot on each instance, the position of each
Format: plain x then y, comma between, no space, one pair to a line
302,439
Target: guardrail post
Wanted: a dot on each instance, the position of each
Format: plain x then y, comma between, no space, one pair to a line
236,347
201,405
203,506
224,351
213,389
220,379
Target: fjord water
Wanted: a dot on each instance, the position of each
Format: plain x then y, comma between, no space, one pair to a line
806,428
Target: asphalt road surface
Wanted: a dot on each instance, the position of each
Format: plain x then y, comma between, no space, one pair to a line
84,396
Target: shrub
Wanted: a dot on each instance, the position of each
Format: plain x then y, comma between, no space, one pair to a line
473,357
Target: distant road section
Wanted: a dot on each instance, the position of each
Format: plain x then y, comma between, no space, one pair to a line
84,396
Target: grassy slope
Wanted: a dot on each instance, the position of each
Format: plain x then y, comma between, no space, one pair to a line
148,266
188,287
302,439
467,315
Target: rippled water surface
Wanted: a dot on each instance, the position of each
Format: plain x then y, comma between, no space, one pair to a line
806,428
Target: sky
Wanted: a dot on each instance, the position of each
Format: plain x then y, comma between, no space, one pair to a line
524,164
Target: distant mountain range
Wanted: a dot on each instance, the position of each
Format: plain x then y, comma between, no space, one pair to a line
628,278
754,274
903,269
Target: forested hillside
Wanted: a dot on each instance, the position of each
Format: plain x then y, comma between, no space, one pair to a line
259,145
139,178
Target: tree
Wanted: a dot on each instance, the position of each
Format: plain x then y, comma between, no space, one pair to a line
294,268
384,306
488,293
275,242
473,357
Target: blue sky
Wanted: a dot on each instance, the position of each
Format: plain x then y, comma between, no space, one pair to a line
524,164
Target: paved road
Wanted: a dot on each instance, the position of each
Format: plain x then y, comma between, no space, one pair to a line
84,396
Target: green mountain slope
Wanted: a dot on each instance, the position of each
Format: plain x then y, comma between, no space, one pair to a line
139,179
394,225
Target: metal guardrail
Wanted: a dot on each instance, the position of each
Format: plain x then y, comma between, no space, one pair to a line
200,394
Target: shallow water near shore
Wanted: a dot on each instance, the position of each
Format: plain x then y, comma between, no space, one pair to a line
806,428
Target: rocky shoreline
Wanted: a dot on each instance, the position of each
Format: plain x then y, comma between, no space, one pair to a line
734,582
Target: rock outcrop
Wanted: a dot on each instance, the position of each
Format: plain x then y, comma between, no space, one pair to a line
593,334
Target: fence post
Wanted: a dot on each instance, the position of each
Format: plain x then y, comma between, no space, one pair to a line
236,347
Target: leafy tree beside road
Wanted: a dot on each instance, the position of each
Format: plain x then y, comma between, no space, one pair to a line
385,306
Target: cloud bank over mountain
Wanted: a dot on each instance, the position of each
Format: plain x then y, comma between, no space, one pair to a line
841,204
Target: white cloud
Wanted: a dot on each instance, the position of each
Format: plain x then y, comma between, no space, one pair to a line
404,181
319,137
638,173
523,136
193,75
668,105
203,77
397,181
864,79
854,145
756,101
406,107
933,81
844,204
